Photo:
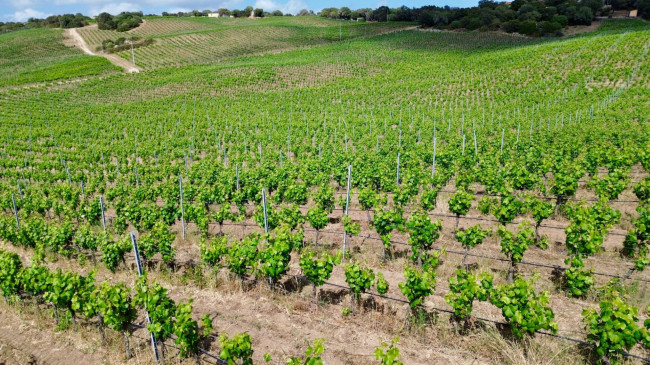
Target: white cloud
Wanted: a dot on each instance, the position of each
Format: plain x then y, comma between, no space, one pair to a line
291,6
22,4
23,15
114,9
178,10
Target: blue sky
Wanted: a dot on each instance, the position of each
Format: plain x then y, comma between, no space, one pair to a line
21,10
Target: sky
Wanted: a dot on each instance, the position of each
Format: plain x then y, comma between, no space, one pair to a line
21,10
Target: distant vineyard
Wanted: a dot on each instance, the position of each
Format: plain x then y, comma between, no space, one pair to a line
205,40
37,55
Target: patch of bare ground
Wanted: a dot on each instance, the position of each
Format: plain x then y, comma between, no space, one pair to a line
580,29
24,340
74,39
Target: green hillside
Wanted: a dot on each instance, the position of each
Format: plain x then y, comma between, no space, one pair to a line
490,193
182,41
38,55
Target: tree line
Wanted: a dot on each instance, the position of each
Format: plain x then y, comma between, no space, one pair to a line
53,21
529,17
121,22
236,13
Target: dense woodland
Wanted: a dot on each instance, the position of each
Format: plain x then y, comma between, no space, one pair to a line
121,22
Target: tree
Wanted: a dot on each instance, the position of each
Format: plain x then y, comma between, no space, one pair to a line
318,219
105,21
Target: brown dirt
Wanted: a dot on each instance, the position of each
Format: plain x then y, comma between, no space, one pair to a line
73,39
579,29
23,342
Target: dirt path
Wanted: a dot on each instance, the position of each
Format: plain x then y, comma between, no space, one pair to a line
79,42
22,342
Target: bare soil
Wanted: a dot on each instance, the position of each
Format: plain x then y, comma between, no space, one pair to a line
73,39
22,341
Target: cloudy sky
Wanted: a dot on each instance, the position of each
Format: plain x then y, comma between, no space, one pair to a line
21,10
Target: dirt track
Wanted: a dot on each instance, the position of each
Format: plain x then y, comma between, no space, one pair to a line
78,41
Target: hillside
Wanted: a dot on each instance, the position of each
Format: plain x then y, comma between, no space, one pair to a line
182,41
39,55
545,142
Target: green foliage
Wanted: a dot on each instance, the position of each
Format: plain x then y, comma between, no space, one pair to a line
507,209
464,289
275,258
428,199
159,240
324,198
515,245
637,241
584,235
385,221
317,218
10,267
422,233
359,279
113,252
388,354
381,284
642,190
472,236
614,329
160,307
242,255
318,270
525,310
418,285
272,217
351,228
576,279
115,304
236,350
368,198
186,330
485,205
212,253
539,209
291,216
35,279
612,185
460,202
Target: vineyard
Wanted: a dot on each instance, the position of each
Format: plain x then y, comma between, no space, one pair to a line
399,197
208,40
39,55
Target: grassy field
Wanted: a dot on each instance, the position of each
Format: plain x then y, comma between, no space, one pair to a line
422,117
39,55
